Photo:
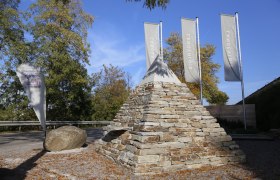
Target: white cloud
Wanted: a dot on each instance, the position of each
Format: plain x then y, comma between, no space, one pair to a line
111,47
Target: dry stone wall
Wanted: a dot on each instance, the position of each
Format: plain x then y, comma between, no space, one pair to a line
163,127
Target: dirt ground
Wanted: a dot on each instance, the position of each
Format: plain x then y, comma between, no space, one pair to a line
22,157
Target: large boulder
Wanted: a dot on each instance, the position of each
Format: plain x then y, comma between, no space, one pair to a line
65,137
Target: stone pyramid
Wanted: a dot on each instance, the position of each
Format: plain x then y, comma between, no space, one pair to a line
162,127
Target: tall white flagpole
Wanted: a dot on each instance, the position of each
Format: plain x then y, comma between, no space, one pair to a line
199,61
161,47
241,70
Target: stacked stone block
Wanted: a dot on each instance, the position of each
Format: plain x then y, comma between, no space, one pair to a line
163,127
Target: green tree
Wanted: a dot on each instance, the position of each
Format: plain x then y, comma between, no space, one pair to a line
112,87
13,51
173,54
151,4
59,30
12,44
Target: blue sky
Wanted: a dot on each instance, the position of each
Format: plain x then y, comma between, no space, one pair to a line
117,36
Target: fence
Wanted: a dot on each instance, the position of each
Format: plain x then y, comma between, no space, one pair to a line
234,113
229,113
19,124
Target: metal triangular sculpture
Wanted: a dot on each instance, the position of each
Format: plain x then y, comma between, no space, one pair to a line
162,127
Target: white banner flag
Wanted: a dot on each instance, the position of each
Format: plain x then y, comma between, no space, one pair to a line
230,52
190,50
152,42
34,87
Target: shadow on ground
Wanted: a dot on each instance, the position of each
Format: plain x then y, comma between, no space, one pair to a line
263,157
27,139
94,134
20,171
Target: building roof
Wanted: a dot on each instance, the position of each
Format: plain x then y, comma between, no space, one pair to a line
273,86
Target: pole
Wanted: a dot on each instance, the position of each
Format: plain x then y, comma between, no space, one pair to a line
241,70
45,136
161,47
199,61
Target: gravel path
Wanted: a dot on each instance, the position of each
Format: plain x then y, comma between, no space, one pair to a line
21,157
